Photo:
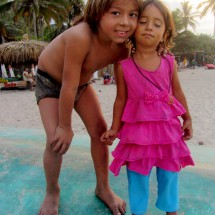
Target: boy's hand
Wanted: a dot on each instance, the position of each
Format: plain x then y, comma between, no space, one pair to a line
187,129
108,137
62,140
162,50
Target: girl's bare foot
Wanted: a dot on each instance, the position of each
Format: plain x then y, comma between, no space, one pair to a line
114,202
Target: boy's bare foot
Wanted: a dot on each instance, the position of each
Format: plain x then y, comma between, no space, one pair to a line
50,204
114,202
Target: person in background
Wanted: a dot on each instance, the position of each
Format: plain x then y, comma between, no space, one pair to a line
193,63
185,63
33,70
29,77
11,72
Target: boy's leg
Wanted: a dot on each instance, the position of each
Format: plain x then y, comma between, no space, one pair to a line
168,199
52,163
138,190
89,109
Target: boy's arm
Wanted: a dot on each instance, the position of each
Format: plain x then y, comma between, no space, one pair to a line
77,46
179,95
76,49
109,136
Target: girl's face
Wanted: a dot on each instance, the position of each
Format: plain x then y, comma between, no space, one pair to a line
150,28
119,22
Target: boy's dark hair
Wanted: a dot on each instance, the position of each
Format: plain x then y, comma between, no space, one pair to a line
93,12
169,32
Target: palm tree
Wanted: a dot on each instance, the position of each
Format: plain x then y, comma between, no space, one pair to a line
6,2
5,27
40,11
33,16
187,16
208,5
4,5
75,9
176,14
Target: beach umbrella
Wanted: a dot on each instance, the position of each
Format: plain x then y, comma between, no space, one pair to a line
18,52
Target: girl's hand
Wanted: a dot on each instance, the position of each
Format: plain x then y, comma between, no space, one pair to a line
187,129
108,137
62,140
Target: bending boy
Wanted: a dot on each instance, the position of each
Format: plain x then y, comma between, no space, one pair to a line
65,68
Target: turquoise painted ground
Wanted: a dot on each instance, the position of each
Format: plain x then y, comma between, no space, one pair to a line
22,180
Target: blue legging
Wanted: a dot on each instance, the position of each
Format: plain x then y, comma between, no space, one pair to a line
138,187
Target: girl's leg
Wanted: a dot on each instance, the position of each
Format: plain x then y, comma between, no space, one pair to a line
138,189
168,199
52,163
89,110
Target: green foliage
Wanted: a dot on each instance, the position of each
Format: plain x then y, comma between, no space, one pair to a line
49,33
33,16
206,6
5,5
176,14
7,27
187,44
185,16
75,10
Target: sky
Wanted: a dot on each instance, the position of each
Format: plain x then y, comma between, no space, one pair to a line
205,25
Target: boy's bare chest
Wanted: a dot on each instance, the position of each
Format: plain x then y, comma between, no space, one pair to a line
100,58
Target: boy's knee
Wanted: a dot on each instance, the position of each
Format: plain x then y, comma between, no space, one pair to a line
98,130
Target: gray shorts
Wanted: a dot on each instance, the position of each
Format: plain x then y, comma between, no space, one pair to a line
47,87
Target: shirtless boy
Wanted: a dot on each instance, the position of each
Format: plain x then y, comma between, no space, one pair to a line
65,68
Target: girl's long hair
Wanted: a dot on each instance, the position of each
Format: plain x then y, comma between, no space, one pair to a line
169,32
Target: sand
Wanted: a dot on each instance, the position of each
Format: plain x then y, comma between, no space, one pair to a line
18,108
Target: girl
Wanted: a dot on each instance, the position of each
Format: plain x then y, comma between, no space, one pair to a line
65,68
149,101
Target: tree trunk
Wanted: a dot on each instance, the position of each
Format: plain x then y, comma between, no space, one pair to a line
214,23
35,25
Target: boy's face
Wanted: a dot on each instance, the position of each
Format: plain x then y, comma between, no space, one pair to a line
119,22
151,27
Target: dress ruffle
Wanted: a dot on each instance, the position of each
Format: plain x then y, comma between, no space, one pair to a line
155,132
144,145
144,166
132,152
152,107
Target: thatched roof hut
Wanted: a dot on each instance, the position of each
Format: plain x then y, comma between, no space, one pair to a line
19,52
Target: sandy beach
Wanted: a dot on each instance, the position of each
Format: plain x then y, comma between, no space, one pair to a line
18,109
22,141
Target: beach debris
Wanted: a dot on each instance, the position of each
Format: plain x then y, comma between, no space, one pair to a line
201,143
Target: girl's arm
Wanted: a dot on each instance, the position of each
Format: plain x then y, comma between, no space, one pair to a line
109,136
179,95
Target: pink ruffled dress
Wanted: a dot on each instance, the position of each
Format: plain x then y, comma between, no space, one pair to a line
151,134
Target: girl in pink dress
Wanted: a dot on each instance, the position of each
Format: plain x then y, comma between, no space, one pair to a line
147,112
